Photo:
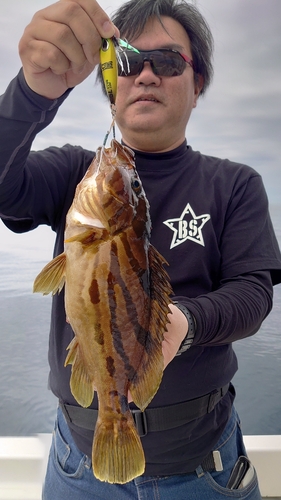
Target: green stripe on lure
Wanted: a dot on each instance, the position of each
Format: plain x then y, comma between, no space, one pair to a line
125,45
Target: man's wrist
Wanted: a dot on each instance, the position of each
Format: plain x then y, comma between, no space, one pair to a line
188,339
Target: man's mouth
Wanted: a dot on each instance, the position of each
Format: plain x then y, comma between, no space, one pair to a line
146,99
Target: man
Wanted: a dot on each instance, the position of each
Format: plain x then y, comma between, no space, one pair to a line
210,221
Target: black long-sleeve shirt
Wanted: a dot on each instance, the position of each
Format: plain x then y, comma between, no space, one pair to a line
210,221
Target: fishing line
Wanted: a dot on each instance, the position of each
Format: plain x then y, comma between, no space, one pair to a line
110,57
112,126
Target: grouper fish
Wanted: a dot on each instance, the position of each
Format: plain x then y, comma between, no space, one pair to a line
117,301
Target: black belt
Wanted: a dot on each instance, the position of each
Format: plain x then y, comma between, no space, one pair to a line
152,419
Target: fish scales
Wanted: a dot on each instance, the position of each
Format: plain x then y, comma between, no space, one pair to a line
117,296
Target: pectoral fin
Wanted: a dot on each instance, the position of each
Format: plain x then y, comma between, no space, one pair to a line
81,386
52,276
90,236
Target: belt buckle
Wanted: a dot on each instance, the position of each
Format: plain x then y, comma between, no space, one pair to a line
216,396
213,399
140,422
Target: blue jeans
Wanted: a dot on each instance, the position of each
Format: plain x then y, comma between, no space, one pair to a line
69,474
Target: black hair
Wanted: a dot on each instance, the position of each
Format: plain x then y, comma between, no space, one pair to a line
132,16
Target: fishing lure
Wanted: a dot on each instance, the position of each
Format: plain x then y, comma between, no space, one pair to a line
109,55
109,58
109,68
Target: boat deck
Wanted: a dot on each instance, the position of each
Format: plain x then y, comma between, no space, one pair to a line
23,462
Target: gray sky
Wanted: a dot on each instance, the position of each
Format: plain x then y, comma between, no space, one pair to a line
240,116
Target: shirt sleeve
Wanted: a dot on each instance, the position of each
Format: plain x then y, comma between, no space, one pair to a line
34,186
234,311
248,242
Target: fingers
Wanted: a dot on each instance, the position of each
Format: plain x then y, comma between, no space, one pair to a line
62,45
99,18
176,330
75,27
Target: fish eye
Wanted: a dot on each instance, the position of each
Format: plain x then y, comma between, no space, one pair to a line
136,185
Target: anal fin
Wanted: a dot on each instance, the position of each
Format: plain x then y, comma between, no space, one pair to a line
81,386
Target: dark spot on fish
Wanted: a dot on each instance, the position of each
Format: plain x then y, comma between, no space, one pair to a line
111,281
99,335
123,403
122,400
94,292
110,366
114,394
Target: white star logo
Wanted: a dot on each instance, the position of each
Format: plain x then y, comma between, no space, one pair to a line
187,227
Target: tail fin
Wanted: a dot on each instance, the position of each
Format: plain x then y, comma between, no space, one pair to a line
117,450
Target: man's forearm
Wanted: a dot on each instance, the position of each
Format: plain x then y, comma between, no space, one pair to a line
234,311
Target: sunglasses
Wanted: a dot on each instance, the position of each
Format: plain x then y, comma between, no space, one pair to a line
164,62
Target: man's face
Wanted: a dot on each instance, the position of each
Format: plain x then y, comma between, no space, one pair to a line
153,111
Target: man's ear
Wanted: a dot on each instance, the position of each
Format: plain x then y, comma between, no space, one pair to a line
198,85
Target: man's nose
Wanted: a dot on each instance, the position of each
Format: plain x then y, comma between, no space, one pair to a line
147,75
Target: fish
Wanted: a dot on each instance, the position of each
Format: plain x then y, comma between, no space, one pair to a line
117,296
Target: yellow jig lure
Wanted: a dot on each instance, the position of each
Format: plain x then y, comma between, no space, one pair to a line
109,57
109,68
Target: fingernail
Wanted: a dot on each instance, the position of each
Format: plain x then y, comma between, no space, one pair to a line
108,29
